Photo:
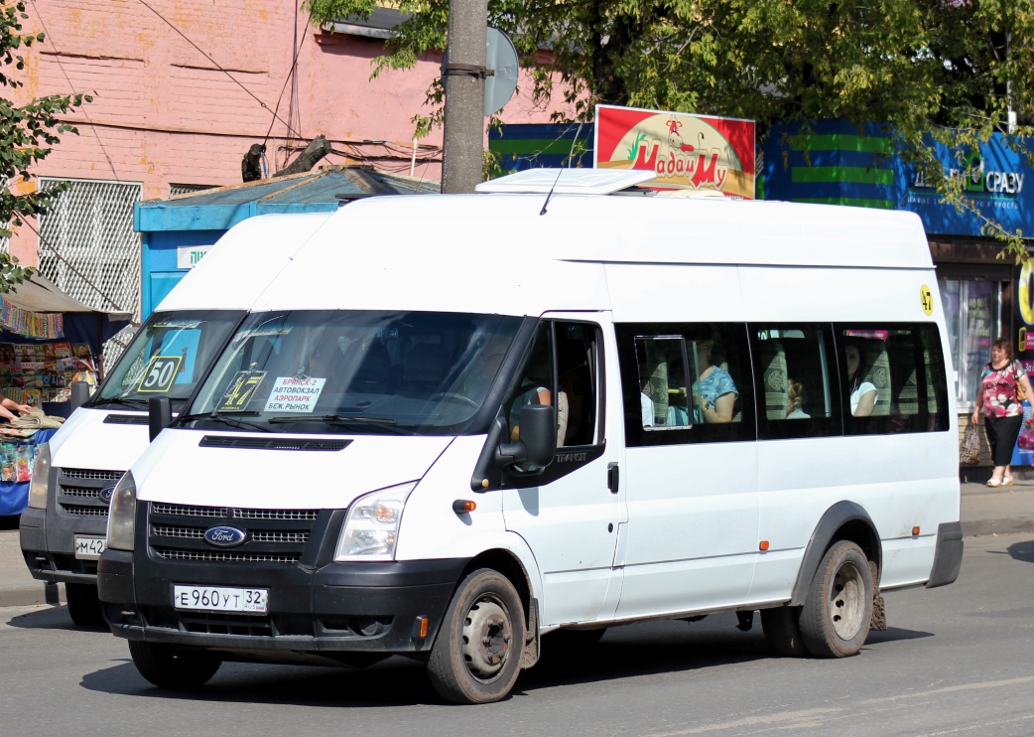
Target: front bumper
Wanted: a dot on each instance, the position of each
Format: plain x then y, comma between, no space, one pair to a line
47,543
339,607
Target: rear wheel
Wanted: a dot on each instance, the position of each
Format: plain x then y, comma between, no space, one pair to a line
476,657
167,666
783,631
837,610
83,605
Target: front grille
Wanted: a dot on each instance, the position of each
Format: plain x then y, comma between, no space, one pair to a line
210,623
89,473
79,490
180,511
275,536
212,557
80,510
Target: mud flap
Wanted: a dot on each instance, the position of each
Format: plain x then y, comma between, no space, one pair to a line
878,620
531,640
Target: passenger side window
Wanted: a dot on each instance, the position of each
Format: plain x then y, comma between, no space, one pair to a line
893,378
685,383
797,380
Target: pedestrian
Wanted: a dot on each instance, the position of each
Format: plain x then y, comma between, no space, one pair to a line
1002,408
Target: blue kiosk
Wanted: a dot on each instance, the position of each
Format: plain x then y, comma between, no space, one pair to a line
178,231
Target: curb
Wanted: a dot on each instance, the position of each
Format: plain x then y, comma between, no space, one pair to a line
1008,526
29,595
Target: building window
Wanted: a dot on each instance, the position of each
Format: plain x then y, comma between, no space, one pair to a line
971,310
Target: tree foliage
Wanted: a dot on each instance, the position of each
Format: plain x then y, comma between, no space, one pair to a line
943,71
27,133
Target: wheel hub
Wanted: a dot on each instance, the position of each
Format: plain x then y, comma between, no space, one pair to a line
846,602
486,638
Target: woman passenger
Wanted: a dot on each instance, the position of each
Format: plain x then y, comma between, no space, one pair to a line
862,393
714,393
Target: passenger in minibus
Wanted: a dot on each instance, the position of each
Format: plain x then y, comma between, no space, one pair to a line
795,397
714,393
862,394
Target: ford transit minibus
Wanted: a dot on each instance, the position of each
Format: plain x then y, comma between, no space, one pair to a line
558,404
62,531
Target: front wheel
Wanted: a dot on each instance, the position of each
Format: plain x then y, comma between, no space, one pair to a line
835,618
166,666
476,657
83,605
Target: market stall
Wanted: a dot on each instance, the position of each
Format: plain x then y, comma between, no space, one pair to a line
48,340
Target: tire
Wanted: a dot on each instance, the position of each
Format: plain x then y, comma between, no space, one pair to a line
837,610
83,605
476,657
783,631
168,667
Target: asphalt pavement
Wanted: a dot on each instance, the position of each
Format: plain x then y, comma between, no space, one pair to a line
985,511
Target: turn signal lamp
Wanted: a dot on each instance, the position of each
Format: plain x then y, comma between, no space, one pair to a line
463,506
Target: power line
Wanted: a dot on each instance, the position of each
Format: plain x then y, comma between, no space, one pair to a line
57,58
68,263
220,68
290,75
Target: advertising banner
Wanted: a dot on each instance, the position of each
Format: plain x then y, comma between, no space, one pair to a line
1023,454
688,152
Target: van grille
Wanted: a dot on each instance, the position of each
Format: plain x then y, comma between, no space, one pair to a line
79,490
126,420
276,536
231,441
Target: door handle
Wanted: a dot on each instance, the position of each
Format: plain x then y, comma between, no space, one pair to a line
612,477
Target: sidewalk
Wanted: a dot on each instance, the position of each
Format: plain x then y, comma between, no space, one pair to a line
984,512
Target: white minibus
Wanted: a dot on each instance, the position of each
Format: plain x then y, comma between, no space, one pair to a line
62,531
561,403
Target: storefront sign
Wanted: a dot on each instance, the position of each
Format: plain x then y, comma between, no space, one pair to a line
187,257
688,152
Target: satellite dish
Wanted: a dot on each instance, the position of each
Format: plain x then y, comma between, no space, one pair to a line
501,58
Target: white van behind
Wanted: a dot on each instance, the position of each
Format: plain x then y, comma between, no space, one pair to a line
510,416
62,532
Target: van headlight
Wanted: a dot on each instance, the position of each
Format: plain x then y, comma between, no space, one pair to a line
371,526
122,514
39,487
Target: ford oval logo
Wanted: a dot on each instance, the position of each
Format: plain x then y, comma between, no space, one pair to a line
106,494
225,536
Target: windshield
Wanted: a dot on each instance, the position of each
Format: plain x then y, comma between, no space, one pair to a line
355,372
167,358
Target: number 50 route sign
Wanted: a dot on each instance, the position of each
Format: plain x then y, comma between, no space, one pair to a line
688,152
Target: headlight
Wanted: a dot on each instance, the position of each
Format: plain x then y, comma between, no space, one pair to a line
39,487
371,526
122,514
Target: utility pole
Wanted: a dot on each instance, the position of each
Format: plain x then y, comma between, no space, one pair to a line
464,96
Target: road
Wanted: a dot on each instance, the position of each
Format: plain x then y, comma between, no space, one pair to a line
958,660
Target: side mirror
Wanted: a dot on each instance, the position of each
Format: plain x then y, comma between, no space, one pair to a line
537,442
159,415
538,433
79,393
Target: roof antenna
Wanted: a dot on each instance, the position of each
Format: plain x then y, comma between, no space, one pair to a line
546,203
570,159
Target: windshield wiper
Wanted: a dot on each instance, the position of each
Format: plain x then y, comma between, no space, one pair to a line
228,419
124,401
385,423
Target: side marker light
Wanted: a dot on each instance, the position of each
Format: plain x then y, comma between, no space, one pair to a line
915,531
763,545
463,506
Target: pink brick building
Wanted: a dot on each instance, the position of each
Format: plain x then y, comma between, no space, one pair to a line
181,89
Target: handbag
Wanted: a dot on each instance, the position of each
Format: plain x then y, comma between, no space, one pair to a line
1021,395
969,448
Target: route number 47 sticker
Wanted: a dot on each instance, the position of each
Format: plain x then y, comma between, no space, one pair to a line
160,375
